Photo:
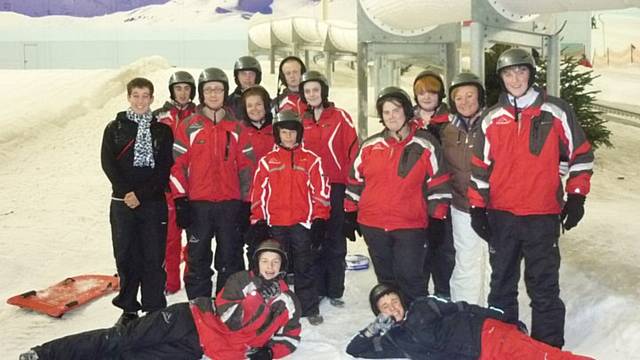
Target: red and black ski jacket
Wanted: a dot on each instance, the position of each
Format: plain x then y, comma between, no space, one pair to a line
518,161
244,320
116,157
289,100
172,114
398,184
209,163
289,188
256,143
333,138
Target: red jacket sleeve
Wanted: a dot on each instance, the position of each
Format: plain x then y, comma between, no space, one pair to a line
320,191
260,191
178,180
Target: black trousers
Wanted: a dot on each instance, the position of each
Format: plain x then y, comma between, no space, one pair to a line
533,238
297,240
398,257
330,263
209,220
169,334
139,239
440,261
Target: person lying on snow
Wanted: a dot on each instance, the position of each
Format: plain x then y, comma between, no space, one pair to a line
255,316
434,328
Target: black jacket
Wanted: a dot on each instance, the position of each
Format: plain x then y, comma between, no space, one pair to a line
433,329
117,159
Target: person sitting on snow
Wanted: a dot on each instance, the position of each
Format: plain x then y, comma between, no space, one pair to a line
255,316
434,328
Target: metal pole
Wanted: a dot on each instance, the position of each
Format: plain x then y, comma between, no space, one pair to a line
477,49
363,90
553,68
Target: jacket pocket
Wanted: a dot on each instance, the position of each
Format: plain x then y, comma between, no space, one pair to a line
540,128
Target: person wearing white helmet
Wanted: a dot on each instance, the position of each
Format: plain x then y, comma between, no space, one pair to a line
526,144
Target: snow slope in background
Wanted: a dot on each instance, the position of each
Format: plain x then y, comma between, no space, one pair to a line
54,217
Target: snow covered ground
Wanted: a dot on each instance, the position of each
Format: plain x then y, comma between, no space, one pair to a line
54,216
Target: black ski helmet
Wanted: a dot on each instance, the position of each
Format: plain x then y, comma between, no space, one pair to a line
264,95
247,63
379,291
313,75
466,78
516,56
270,245
393,92
182,77
209,75
281,78
287,119
435,75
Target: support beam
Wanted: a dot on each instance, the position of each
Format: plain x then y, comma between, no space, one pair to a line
477,49
553,65
363,90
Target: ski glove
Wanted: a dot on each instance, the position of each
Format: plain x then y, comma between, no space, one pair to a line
379,326
351,226
260,231
263,353
318,233
183,212
480,222
435,231
573,211
269,289
243,217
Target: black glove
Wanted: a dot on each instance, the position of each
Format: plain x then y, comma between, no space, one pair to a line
351,226
480,222
269,289
263,353
573,211
260,231
243,217
379,326
318,232
183,212
435,231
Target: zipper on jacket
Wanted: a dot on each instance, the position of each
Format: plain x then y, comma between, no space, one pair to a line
226,146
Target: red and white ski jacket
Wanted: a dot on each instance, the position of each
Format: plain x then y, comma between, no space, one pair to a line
333,138
172,114
244,320
518,162
290,100
209,163
256,143
289,188
396,185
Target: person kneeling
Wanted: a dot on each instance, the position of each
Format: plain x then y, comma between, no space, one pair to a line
434,328
255,316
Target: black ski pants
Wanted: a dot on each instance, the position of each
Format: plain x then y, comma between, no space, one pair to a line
139,239
169,334
330,259
209,220
398,257
440,261
297,240
533,238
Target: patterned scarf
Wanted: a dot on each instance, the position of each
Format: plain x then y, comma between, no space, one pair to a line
142,150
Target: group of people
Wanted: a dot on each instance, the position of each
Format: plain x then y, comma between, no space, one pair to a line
435,193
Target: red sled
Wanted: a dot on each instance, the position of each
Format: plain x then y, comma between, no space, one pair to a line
66,295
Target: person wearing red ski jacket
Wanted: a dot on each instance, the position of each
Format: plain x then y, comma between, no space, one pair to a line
210,177
182,90
290,199
289,76
397,184
257,318
330,134
525,144
256,312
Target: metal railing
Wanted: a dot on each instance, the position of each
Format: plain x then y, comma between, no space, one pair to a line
618,115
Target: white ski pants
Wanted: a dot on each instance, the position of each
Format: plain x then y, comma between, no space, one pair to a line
472,273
